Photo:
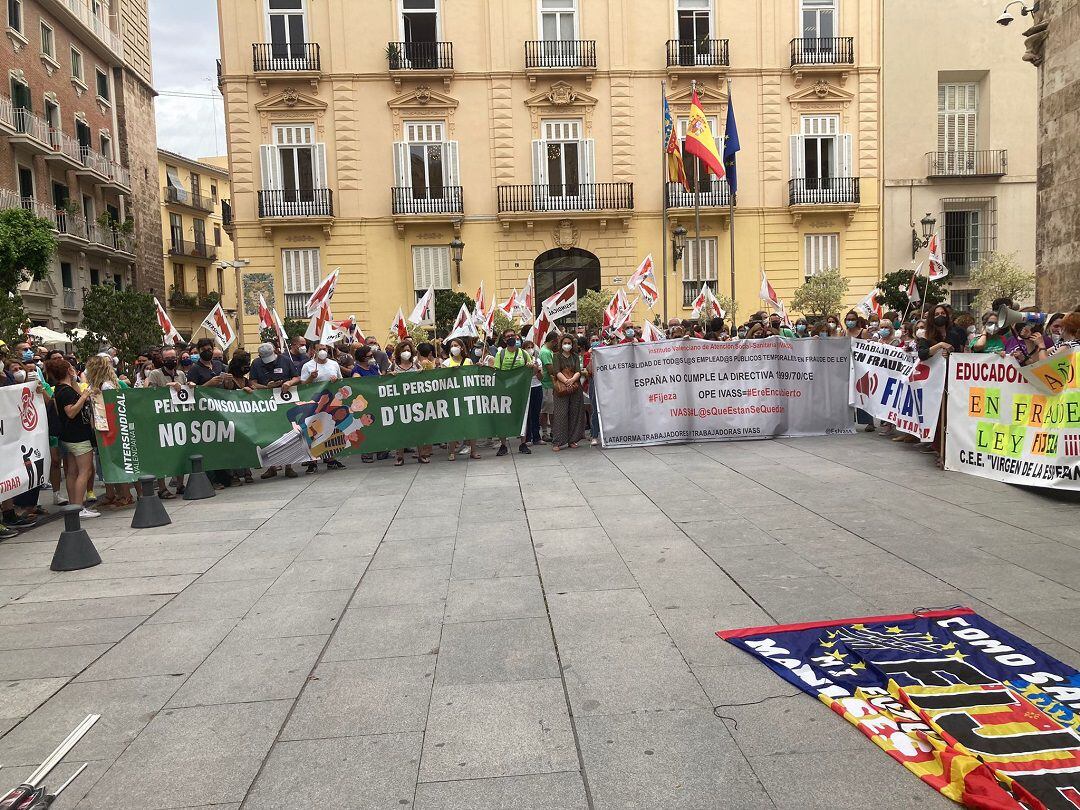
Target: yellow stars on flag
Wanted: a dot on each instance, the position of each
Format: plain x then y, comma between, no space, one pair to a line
893,631
950,646
859,666
959,656
838,656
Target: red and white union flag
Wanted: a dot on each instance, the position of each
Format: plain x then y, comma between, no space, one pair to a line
563,302
217,324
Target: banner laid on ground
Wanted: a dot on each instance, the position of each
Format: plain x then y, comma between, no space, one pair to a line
700,391
975,712
1002,427
897,387
24,440
155,431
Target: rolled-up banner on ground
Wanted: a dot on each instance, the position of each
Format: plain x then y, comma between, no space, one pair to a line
1002,427
975,712
24,440
676,391
897,387
153,432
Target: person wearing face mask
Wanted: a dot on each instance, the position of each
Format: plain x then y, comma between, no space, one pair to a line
366,366
989,340
166,372
458,357
854,326
382,359
206,367
1025,345
536,391
802,330
405,363
940,336
234,378
887,334
547,356
630,335
511,356
321,368
832,326
568,415
273,370
298,351
1070,334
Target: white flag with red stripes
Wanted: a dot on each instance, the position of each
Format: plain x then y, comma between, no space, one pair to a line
937,268
399,327
563,302
464,325
166,324
649,332
323,293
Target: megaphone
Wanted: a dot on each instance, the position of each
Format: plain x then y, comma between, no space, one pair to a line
1008,318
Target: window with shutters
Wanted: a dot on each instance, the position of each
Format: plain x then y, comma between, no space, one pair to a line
957,122
198,227
431,268
172,177
48,41
76,65
301,275
425,162
821,253
15,15
294,166
696,173
562,160
179,285
699,266
821,160
286,28
176,233
200,283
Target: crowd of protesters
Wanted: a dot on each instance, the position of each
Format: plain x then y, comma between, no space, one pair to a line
560,412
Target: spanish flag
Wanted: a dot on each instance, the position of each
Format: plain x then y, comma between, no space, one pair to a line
699,138
675,168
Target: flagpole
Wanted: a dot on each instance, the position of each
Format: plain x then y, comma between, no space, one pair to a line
663,192
731,214
697,202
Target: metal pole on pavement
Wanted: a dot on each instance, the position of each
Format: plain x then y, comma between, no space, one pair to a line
731,217
663,192
697,205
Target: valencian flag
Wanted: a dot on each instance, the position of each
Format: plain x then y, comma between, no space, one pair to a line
699,138
675,169
731,145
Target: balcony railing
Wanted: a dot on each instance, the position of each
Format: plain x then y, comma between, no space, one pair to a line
700,53
574,197
7,112
310,202
409,200
823,190
690,290
95,161
822,51
279,56
296,304
565,53
98,25
980,163
64,144
181,196
26,123
69,299
226,213
69,224
120,175
196,250
711,194
420,55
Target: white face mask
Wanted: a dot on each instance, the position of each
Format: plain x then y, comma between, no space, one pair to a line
920,333
321,355
991,328
406,356
567,347
455,350
20,375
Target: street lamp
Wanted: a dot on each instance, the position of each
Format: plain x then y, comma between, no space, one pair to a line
1007,18
917,244
678,243
457,247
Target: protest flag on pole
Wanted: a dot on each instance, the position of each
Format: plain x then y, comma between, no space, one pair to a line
166,324
526,301
540,329
649,332
936,266
398,327
701,301
768,294
563,302
217,324
510,305
464,325
913,286
323,293
424,311
318,323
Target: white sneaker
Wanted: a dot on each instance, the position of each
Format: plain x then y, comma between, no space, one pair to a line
89,513
58,499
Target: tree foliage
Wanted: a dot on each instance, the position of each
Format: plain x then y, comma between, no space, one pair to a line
822,294
123,319
27,245
293,327
999,275
447,305
13,319
893,292
590,309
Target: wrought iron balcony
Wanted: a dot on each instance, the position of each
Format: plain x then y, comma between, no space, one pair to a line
180,196
710,194
823,191
226,214
571,197
309,202
979,163
296,304
70,301
64,147
420,55
31,130
822,51
699,53
442,200
565,53
93,18
303,57
194,250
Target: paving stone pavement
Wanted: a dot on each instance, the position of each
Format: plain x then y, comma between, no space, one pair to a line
522,632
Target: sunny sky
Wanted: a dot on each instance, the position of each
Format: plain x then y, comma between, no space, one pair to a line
185,47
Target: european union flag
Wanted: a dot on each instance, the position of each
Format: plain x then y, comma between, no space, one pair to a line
731,145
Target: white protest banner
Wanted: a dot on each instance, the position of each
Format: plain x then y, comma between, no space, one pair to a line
897,387
677,391
24,440
1002,427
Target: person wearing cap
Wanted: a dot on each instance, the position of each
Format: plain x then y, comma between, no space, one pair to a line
273,370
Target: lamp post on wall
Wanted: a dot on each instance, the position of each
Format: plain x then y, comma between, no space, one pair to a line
917,244
236,265
678,247
457,247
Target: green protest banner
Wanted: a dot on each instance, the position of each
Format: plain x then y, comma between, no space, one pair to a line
155,431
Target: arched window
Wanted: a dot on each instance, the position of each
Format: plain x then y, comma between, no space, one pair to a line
556,268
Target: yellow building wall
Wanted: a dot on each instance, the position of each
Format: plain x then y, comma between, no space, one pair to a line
491,106
188,319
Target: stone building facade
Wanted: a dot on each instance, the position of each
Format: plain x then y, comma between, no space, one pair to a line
1053,44
77,130
371,142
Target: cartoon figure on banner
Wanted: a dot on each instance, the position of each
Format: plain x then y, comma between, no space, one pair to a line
331,423
35,467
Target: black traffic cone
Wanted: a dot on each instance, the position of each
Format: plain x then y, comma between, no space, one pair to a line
75,550
149,511
198,484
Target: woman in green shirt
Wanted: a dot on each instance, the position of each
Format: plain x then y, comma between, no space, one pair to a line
989,340
509,357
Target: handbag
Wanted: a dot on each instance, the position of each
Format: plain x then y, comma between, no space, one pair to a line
564,389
